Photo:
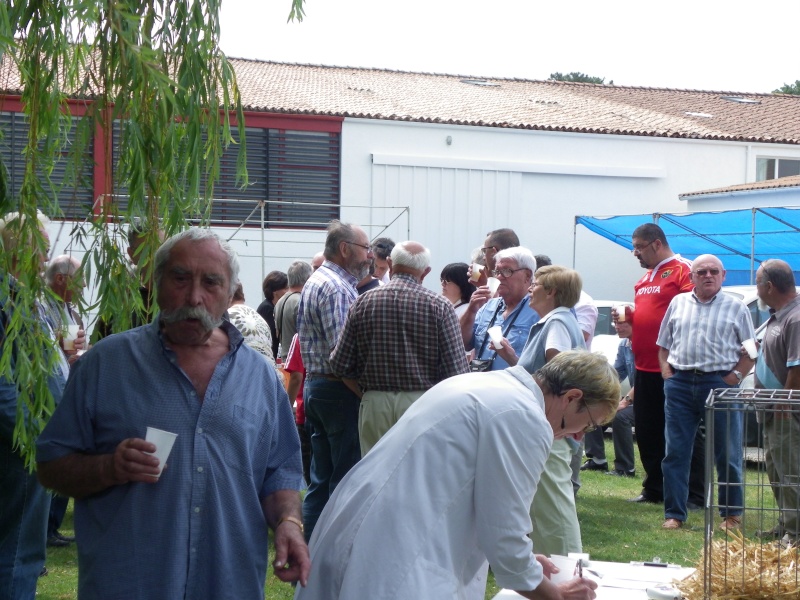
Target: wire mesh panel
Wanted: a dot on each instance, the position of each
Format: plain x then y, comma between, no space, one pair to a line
759,560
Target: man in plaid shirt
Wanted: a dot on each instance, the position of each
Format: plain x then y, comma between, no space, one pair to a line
399,340
331,406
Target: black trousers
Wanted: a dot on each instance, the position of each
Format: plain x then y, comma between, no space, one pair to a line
649,423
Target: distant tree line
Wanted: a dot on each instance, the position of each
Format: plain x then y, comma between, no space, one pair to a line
578,77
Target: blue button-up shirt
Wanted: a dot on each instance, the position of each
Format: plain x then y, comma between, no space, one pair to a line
200,531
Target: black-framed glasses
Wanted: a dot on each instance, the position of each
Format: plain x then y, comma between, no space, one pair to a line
704,272
366,247
642,248
487,248
506,272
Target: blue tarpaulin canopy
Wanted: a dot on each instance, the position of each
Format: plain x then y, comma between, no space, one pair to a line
742,239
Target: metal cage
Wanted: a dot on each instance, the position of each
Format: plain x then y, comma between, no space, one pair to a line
760,560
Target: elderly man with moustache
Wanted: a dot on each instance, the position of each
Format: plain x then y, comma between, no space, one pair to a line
200,529
700,349
331,405
779,368
399,341
510,310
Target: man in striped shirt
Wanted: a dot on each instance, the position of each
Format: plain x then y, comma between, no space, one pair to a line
700,349
331,406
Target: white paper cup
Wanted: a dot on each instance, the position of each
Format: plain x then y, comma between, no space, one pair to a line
476,271
496,335
163,441
752,349
71,336
566,568
493,283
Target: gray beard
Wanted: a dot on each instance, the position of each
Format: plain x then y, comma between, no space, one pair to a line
762,305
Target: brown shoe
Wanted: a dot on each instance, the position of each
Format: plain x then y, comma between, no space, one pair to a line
730,523
672,524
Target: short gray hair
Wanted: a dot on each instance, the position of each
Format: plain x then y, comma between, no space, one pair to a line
402,257
298,273
338,232
522,256
61,265
196,235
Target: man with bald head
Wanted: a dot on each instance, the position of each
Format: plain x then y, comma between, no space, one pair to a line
778,368
700,349
399,340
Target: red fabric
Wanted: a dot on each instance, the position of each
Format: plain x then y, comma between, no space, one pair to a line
294,364
652,295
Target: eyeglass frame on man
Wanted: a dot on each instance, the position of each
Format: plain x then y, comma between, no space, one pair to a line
366,247
704,272
506,273
485,249
641,249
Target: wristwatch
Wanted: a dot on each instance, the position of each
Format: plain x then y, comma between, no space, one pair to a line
738,374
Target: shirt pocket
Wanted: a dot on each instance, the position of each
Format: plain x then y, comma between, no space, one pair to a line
240,439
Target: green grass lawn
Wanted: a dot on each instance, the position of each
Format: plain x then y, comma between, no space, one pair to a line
612,530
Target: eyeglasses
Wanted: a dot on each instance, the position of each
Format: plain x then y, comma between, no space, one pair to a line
535,283
485,250
704,272
593,426
506,272
641,248
366,247
444,281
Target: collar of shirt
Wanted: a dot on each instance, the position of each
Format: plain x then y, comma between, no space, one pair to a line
714,297
341,272
661,264
407,277
557,309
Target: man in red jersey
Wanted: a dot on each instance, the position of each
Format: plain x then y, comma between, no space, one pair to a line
667,276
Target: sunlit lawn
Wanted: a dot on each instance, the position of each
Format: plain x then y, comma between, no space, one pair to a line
612,529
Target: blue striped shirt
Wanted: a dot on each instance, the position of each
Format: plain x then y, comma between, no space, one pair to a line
324,302
200,531
705,335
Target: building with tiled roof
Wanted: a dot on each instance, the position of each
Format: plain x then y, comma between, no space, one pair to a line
516,103
443,159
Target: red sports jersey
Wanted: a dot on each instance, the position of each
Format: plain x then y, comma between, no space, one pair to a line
653,293
294,363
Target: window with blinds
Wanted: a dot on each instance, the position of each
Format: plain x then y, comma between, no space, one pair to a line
72,182
295,174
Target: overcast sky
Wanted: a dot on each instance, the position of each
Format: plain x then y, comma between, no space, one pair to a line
716,45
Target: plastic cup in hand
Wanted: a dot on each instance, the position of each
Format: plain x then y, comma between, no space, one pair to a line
496,335
493,283
476,271
620,308
163,441
71,336
752,349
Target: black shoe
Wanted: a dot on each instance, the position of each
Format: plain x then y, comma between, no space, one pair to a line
55,542
66,538
43,572
691,506
590,465
621,473
646,499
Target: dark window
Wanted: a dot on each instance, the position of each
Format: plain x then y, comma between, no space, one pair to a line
296,173
774,168
73,186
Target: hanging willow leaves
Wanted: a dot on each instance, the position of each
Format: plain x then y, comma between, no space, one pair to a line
148,80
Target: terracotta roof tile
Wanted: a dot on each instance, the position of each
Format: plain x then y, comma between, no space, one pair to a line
769,184
512,103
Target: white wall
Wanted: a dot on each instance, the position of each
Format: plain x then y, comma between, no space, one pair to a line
532,181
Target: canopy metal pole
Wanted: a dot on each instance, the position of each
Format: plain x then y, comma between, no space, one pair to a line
752,244
574,239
